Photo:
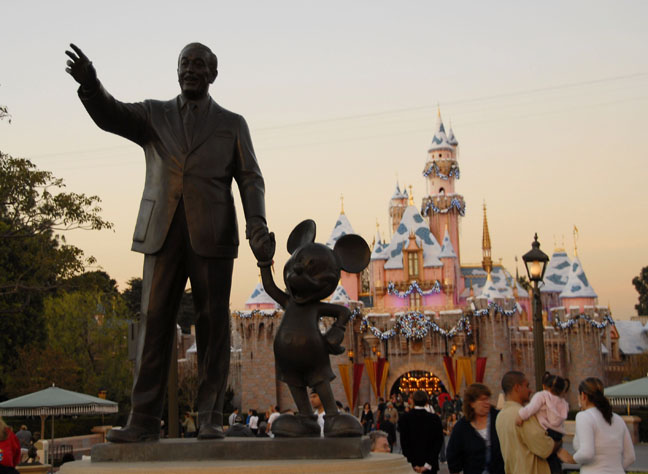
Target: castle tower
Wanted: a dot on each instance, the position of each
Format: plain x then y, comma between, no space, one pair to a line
443,206
397,206
450,268
487,262
350,281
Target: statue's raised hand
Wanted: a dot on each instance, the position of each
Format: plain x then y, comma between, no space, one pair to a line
81,68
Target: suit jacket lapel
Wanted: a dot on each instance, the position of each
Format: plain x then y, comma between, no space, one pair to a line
172,115
205,127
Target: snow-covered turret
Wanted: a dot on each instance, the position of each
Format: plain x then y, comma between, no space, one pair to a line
342,227
412,222
577,290
259,299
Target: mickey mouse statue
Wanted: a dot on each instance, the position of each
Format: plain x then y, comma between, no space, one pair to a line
301,350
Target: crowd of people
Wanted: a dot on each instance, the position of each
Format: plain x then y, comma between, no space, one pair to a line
525,436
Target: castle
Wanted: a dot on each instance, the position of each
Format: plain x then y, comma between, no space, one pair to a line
422,319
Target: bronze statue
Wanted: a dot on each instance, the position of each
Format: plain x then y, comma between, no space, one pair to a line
301,350
186,227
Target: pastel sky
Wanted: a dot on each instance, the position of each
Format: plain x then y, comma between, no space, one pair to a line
547,100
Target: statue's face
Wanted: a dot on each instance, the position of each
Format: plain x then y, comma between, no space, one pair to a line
194,75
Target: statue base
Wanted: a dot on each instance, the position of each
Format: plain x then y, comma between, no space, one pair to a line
232,449
373,463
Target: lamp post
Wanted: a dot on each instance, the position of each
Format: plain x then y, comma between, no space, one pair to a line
535,261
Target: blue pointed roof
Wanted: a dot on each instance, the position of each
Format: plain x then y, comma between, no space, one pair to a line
340,295
259,296
440,139
577,285
451,137
556,273
342,227
447,250
489,290
398,194
413,222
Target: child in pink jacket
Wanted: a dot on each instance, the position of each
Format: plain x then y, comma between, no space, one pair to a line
550,408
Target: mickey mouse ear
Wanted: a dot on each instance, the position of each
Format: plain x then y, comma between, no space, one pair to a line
353,252
301,235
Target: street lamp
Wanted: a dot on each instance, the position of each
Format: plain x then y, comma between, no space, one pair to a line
535,261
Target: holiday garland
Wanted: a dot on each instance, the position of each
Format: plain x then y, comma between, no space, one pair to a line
607,320
256,312
414,286
416,325
433,169
455,203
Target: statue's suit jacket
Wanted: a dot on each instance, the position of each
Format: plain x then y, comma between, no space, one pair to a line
201,174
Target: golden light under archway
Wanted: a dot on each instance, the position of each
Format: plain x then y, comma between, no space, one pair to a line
415,380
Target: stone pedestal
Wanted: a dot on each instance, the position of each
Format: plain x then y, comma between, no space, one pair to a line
372,464
232,449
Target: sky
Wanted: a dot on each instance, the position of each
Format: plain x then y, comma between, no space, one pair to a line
547,100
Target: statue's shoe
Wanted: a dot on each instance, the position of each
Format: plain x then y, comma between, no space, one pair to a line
208,431
341,425
296,426
132,434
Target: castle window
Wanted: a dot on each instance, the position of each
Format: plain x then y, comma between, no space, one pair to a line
413,264
414,300
442,191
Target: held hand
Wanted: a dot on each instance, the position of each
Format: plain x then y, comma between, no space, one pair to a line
565,457
80,67
519,420
263,246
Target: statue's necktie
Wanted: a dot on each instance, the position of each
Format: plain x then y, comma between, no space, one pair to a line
190,122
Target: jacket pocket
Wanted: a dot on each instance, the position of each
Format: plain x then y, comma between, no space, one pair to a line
143,219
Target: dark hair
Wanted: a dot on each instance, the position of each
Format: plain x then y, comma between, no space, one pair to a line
473,393
367,404
555,383
511,379
212,60
420,398
593,389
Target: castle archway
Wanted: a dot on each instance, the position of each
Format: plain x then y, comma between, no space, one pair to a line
396,371
414,380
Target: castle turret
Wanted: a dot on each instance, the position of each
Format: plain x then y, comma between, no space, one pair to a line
450,267
577,291
350,281
443,206
487,262
397,206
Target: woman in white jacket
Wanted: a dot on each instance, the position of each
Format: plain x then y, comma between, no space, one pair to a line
602,441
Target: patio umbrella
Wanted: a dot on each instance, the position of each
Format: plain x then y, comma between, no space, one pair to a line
56,401
634,393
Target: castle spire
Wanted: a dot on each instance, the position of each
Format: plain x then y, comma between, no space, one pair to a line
487,263
411,196
341,203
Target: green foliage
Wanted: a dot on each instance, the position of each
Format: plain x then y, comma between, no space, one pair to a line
34,259
133,296
86,349
640,283
91,328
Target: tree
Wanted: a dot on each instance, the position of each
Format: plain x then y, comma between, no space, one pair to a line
91,328
133,297
40,367
640,283
34,258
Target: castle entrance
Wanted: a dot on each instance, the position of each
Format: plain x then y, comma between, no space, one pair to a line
415,380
